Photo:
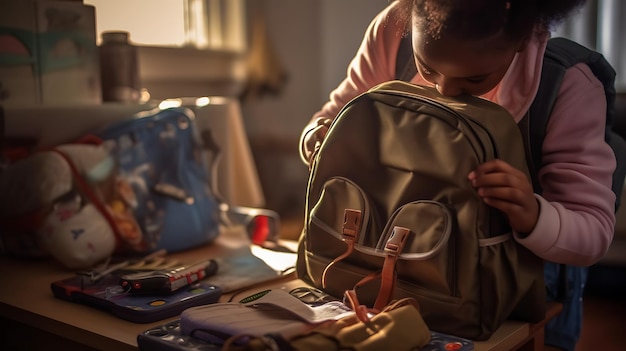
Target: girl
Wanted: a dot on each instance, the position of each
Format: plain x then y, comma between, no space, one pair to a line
494,49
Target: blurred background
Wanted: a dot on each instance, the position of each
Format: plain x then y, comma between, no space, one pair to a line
276,59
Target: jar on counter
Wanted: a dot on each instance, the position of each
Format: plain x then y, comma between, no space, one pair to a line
119,68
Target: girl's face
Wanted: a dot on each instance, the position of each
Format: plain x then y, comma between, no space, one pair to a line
458,67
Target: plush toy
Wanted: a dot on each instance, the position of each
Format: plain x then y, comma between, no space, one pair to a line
45,208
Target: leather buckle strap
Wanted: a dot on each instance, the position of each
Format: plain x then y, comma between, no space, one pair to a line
393,248
351,225
351,299
350,234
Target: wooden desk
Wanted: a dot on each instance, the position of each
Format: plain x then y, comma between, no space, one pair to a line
33,319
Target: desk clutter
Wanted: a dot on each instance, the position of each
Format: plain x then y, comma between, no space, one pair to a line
217,306
140,294
158,286
136,186
280,320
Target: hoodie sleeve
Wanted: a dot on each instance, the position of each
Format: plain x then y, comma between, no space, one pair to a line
577,219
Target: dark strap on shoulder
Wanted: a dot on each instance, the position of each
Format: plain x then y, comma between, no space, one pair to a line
405,64
568,53
534,123
561,54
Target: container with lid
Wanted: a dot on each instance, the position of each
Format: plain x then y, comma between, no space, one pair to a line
119,68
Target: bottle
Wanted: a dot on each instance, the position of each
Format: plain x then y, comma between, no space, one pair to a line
119,68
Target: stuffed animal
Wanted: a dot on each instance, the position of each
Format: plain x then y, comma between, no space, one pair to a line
45,211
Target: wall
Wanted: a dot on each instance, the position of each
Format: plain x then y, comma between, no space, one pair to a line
315,40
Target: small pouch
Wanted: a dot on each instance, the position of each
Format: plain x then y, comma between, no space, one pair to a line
399,326
215,323
266,312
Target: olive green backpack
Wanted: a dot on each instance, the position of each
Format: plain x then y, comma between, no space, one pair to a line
390,211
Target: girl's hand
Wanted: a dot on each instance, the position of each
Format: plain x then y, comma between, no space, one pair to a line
314,136
506,188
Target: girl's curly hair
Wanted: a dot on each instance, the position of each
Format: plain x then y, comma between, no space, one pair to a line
476,19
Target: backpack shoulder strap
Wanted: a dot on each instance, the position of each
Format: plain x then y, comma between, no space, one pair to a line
560,55
405,65
568,53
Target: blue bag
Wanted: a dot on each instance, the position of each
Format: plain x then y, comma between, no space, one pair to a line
162,195
142,184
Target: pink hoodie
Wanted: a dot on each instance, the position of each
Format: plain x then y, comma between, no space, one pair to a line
576,219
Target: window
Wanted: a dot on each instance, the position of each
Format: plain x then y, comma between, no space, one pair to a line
185,47
202,24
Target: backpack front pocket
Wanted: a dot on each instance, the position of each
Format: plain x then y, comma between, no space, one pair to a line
327,218
431,224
